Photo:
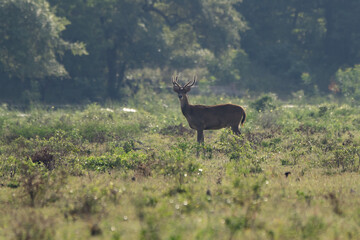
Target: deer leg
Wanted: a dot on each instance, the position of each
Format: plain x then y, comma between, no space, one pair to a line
236,130
200,139
200,136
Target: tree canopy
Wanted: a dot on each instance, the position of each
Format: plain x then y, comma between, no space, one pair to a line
30,39
259,45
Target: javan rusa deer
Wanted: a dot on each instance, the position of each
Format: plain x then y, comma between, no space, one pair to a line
201,117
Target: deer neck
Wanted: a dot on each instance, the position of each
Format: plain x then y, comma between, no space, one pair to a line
184,104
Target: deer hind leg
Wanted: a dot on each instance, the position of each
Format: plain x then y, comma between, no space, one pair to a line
235,129
200,136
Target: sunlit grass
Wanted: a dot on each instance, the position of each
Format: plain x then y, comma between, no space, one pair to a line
292,174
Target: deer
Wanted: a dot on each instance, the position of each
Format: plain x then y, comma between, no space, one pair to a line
202,117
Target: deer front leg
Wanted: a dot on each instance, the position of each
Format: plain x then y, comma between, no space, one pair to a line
200,139
200,136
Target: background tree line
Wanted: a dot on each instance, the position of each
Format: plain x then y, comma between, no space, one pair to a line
72,51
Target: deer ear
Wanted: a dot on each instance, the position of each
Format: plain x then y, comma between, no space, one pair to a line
187,89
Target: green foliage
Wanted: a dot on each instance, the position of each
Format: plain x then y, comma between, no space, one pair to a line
312,228
119,160
30,39
229,68
279,46
308,38
9,166
37,182
241,154
32,225
349,80
265,102
346,158
249,197
162,184
179,163
149,219
84,202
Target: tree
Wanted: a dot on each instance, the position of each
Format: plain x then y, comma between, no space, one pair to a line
30,41
290,37
132,34
119,36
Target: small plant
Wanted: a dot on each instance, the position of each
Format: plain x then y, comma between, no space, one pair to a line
240,152
235,224
94,131
349,83
9,166
44,157
313,227
346,158
34,179
39,184
119,160
265,102
269,120
129,146
32,225
52,153
178,163
248,196
335,203
85,202
323,110
303,196
148,216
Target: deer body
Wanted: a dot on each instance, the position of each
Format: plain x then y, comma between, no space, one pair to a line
201,117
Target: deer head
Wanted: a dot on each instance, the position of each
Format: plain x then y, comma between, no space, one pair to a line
182,90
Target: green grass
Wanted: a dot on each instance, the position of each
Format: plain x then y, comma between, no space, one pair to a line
101,173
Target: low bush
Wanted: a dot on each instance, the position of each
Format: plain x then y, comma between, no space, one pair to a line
121,160
31,225
265,102
40,185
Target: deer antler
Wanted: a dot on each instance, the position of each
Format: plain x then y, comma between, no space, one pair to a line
192,83
174,81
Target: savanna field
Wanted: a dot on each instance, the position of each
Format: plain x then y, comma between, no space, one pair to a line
105,172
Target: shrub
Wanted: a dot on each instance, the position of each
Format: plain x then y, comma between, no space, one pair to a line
312,228
94,131
265,102
85,201
241,154
32,225
9,166
349,80
247,194
347,158
52,153
120,160
148,217
178,163
45,157
38,183
34,179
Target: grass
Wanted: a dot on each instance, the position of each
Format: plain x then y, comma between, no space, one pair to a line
101,173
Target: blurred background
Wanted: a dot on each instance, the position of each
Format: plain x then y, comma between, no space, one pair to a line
83,51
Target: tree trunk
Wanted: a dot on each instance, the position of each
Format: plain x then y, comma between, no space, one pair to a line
111,91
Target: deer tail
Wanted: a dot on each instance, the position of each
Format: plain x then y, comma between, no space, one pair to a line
243,119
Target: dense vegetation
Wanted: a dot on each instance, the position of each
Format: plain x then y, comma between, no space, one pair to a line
75,51
113,173
93,144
